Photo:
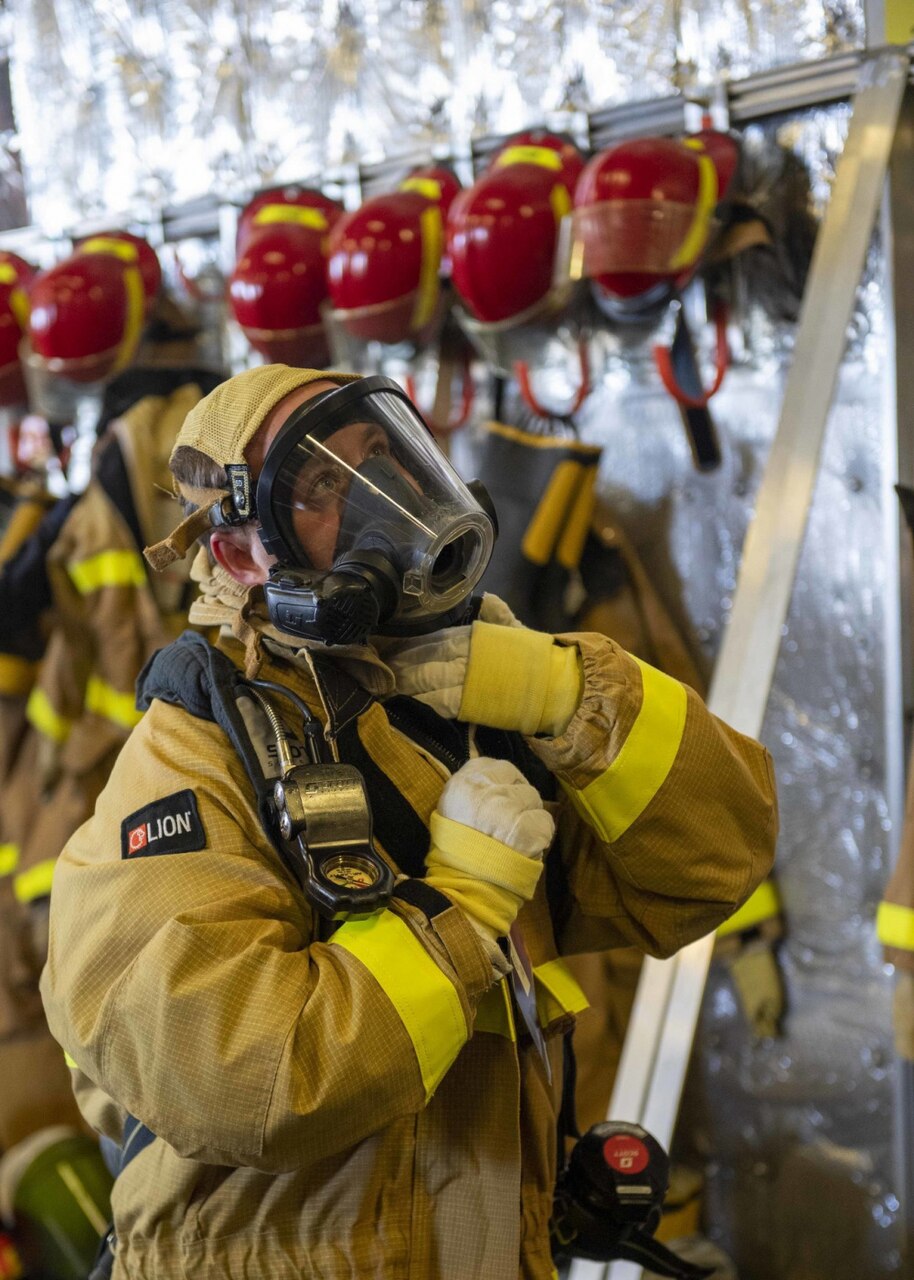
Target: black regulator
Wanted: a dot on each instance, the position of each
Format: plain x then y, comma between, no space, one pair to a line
609,1199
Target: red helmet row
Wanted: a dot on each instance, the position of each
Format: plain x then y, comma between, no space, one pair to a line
83,317
641,214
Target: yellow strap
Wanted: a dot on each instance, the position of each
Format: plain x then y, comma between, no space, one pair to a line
104,700
46,720
427,187
542,442
560,201
895,926
107,569
17,675
122,249
494,1014
21,309
545,157
557,992
36,882
612,802
296,214
763,904
8,273
697,234
550,515
431,235
425,1000
9,859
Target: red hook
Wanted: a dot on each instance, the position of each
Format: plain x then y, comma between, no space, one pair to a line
522,373
467,397
664,360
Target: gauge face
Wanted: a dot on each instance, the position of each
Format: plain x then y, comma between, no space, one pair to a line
350,872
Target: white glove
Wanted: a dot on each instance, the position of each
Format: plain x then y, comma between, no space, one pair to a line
431,668
488,836
494,797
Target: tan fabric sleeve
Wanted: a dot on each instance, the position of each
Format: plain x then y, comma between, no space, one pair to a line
188,987
670,816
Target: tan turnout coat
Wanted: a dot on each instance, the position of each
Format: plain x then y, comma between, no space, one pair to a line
363,1105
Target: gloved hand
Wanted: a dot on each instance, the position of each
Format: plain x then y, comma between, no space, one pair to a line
489,833
502,676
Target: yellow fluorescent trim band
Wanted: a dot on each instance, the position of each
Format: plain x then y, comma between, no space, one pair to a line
571,544
430,229
425,1000
17,675
19,302
71,1062
494,1014
122,249
46,720
545,157
612,802
697,233
560,201
895,926
107,702
548,518
36,882
543,442
557,992
136,313
107,569
763,904
427,187
9,859
8,273
296,214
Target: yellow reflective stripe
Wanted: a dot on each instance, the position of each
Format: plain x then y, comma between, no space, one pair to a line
9,859
136,314
36,882
545,157
697,233
23,522
425,1000
560,201
612,802
17,675
122,249
297,214
571,544
557,992
19,305
8,273
549,516
895,926
542,442
46,720
106,701
71,1062
763,904
107,569
494,1013
427,187
430,231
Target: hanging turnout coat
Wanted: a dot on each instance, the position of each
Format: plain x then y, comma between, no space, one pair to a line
364,1103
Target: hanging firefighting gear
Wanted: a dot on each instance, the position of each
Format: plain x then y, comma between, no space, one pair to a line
385,261
16,276
280,279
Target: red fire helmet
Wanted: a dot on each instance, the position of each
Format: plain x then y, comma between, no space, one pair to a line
277,287
532,147
302,206
385,260
87,312
146,258
15,277
503,231
644,211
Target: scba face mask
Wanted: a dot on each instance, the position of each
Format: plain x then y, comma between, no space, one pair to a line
372,529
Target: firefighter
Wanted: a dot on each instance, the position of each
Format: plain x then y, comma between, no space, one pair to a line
310,1076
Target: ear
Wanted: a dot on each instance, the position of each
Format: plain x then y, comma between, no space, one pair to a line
233,551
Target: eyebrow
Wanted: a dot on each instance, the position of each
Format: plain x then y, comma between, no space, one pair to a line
367,483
